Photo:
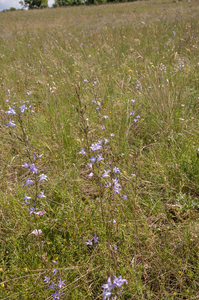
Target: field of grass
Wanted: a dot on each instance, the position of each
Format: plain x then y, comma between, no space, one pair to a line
126,73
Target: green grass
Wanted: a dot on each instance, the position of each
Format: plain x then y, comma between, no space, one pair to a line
125,48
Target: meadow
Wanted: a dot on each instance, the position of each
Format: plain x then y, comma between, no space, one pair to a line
99,152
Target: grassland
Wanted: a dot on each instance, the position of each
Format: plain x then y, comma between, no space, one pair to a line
60,60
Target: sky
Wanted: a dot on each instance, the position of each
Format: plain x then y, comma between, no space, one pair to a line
6,4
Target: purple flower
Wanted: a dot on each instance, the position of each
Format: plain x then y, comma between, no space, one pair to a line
95,239
8,92
99,158
11,124
115,247
112,220
85,80
31,210
133,101
105,117
108,185
26,198
90,243
95,82
107,289
137,86
112,134
132,113
106,173
56,295
22,108
133,175
82,152
61,282
95,147
28,182
94,101
124,197
55,271
137,117
42,195
47,279
135,120
119,281
90,175
25,165
11,111
52,286
106,141
103,127
33,168
92,159
122,154
42,177
116,170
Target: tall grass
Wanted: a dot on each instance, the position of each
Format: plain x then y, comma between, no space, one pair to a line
147,51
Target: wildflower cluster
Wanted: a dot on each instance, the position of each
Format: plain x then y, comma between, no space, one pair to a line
102,170
55,284
34,178
107,288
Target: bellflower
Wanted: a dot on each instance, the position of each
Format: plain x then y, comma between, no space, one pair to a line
55,271
25,165
116,170
124,197
106,173
28,182
106,141
31,210
22,108
119,281
42,195
56,295
90,175
95,239
42,177
99,158
46,279
11,124
95,147
33,168
11,111
61,282
92,159
82,152
90,243
52,286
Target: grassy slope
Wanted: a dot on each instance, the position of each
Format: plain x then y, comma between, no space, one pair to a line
125,49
